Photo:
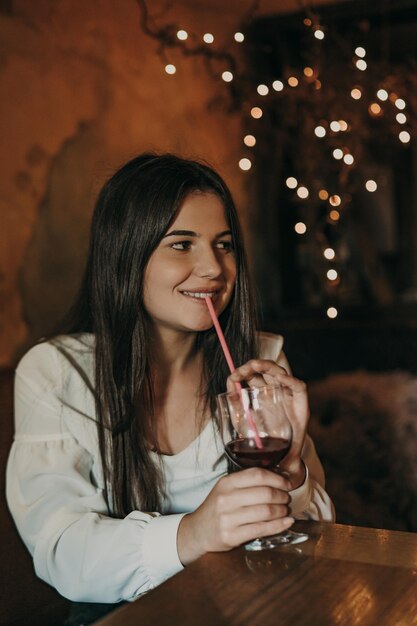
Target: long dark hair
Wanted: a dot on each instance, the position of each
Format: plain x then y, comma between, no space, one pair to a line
133,211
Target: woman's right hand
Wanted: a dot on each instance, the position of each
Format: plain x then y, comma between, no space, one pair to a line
242,506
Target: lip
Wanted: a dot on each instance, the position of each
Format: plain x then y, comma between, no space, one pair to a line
188,293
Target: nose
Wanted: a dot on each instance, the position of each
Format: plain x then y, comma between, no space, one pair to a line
207,264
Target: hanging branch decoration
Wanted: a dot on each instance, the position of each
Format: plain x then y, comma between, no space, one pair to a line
218,63
335,119
340,116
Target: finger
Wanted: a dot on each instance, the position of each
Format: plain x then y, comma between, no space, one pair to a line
247,532
253,381
252,496
255,514
270,370
254,477
295,385
256,366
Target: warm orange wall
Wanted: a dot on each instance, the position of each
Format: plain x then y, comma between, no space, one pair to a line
82,91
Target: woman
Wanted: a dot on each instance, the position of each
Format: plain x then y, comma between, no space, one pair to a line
117,477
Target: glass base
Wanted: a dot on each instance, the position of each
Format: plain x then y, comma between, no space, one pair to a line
268,543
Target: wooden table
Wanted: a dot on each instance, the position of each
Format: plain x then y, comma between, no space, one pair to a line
344,575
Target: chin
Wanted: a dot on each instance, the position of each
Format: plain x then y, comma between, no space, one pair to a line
200,328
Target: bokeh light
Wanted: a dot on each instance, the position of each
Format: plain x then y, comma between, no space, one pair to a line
245,164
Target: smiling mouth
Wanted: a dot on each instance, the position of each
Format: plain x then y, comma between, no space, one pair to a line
199,295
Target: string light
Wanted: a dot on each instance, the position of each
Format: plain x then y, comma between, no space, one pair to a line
324,127
361,65
320,131
404,136
371,185
302,192
245,164
375,109
300,228
208,38
170,69
382,94
227,76
332,274
291,182
278,85
256,112
249,140
262,90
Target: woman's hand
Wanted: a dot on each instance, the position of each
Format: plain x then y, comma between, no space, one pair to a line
242,506
260,372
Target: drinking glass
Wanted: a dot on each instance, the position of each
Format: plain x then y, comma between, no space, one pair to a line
257,433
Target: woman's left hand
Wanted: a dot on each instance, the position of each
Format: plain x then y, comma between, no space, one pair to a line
261,372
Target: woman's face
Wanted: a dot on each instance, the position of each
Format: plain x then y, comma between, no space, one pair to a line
194,259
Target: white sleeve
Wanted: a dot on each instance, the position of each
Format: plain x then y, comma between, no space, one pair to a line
61,514
310,500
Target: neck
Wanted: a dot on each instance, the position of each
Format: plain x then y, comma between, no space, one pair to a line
173,352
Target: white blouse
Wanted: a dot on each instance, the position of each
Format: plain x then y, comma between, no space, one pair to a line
55,482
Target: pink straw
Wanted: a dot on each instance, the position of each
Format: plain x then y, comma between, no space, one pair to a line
231,365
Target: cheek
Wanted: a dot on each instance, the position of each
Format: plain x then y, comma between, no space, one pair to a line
162,281
173,274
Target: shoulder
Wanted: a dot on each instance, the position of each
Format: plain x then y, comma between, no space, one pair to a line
270,345
47,360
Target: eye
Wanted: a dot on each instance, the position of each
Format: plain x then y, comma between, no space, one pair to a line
181,245
225,245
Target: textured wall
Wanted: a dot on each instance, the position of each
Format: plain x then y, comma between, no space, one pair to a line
82,91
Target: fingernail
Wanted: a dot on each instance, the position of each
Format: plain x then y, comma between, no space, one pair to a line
288,521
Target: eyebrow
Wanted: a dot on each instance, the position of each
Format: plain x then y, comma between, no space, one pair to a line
191,233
